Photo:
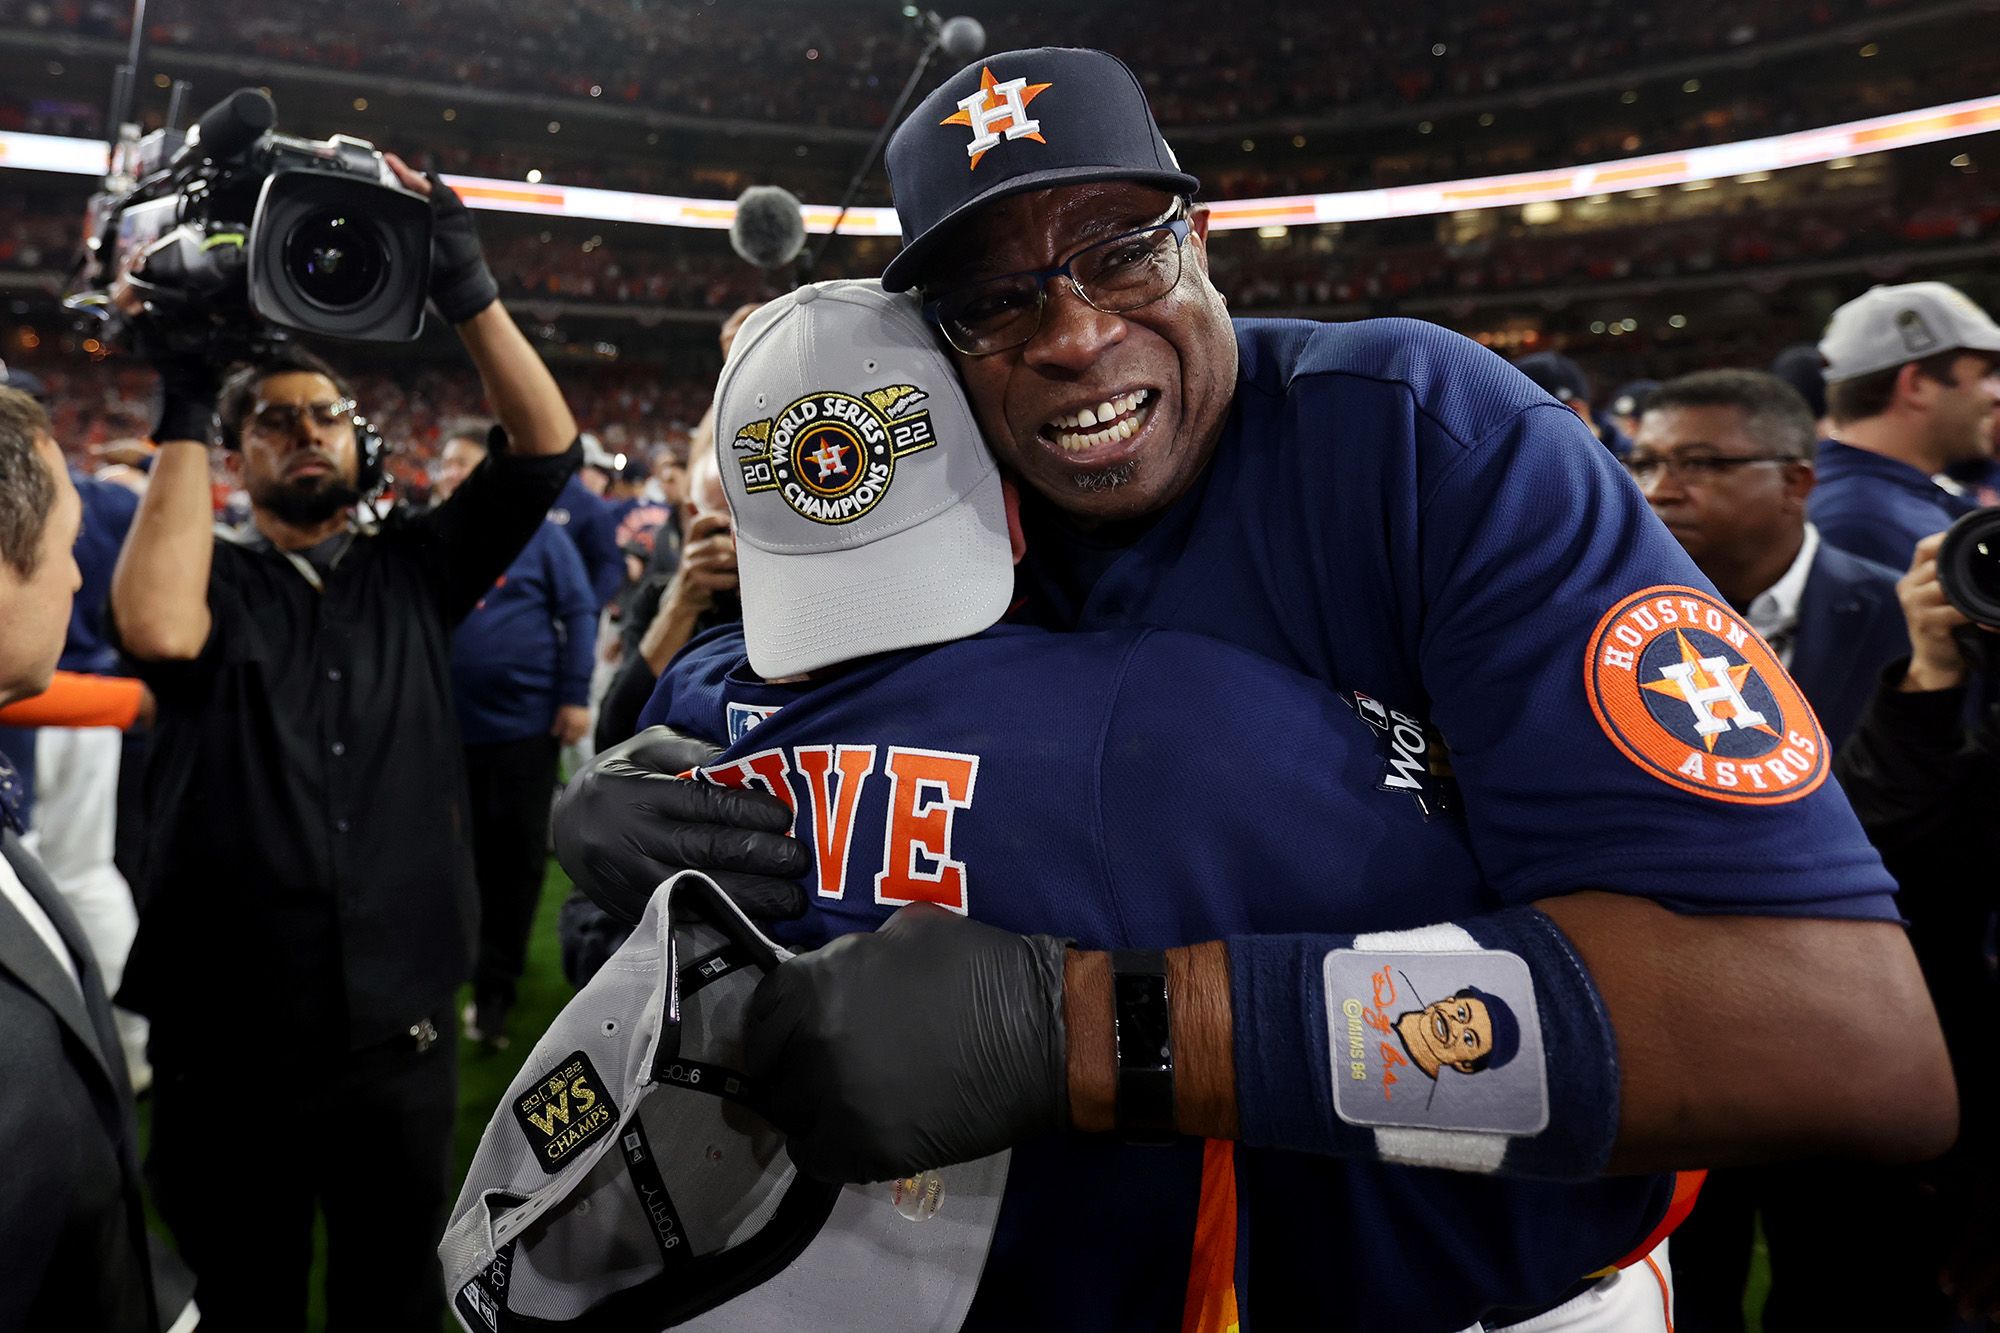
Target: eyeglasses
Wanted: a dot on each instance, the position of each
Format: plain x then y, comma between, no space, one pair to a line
282,420
1130,270
1693,469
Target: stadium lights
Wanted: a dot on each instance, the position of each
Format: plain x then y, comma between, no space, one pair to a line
1640,177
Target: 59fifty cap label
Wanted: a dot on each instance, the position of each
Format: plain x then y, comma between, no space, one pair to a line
830,455
1689,692
566,1111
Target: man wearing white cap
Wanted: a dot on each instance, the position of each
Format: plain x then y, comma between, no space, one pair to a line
1911,389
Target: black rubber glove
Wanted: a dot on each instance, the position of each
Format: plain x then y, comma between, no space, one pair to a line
629,821
189,387
935,1040
461,283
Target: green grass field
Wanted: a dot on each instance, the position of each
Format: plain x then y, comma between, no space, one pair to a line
484,1076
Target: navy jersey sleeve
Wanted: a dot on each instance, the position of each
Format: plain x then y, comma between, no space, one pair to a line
1613,722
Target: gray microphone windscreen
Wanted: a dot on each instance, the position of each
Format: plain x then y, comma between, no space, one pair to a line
962,38
769,229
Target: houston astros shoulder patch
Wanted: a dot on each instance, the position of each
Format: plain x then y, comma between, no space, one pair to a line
1688,692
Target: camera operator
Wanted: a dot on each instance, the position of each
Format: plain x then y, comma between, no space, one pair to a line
1923,772
311,900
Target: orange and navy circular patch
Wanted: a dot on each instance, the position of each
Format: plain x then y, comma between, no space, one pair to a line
1688,692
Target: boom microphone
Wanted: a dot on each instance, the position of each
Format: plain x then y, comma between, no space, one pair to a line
769,229
228,127
961,38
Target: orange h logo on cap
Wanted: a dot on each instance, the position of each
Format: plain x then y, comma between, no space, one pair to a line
997,106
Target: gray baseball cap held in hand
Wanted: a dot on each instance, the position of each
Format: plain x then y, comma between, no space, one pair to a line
630,1180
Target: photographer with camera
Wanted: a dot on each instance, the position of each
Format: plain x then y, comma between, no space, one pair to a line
1922,770
311,905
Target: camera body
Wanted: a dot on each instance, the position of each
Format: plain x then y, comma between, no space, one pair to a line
1968,565
231,234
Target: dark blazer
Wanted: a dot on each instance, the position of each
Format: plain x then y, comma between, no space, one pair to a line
72,1224
1850,627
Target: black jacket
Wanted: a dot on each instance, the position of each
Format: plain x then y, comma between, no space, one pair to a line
72,1224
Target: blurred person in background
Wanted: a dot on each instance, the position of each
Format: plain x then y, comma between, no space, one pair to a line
581,512
1912,392
1628,404
520,671
1801,367
72,1219
1725,459
1565,381
311,903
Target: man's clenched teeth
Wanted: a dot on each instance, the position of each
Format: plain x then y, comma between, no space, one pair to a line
1117,418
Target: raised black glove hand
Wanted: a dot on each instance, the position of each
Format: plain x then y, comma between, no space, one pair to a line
629,821
189,385
935,1040
461,283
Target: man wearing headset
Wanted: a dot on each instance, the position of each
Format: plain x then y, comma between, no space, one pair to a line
308,900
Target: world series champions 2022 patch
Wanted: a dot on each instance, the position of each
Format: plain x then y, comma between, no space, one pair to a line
566,1111
1693,696
1447,1040
832,456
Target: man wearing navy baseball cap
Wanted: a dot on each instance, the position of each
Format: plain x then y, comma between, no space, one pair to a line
1393,510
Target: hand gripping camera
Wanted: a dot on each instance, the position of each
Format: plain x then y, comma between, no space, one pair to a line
230,234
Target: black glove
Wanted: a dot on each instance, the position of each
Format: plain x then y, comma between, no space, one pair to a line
189,386
461,283
627,822
937,1039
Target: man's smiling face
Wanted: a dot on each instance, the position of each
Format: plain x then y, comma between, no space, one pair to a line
1156,382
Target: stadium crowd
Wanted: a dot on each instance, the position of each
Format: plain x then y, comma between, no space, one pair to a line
357,652
802,64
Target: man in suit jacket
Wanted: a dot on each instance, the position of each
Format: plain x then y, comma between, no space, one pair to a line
72,1224
1725,458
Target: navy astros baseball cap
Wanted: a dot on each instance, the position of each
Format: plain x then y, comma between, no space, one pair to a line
1014,122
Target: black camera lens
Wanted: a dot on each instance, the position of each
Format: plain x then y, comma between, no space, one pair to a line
337,261
1969,565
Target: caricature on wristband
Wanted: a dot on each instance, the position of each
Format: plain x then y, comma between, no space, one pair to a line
1472,1058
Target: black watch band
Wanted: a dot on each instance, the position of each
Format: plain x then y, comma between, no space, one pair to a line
1142,1027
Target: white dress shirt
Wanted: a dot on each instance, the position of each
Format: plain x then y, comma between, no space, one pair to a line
1774,612
15,892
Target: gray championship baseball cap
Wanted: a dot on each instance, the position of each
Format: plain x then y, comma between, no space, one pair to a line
630,1180
1014,122
869,514
1888,326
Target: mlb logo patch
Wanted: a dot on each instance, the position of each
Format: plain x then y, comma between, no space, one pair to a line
743,718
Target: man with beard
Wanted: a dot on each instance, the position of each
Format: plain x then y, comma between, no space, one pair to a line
310,904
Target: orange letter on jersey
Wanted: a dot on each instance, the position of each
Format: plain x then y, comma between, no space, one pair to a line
831,814
926,788
766,769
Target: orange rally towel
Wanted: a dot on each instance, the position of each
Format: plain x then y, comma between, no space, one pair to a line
74,699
